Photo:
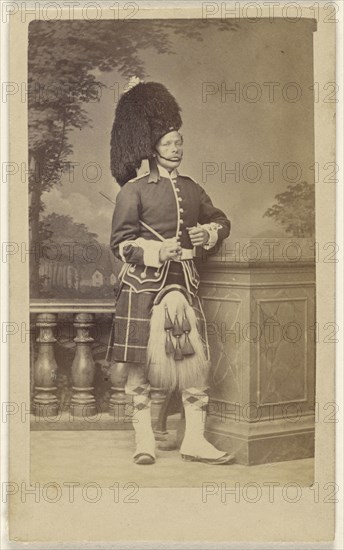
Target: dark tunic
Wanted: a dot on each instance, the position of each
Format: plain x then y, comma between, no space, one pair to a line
168,206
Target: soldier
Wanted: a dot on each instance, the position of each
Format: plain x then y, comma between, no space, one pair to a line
158,221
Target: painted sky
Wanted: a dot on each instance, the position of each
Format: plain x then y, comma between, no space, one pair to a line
220,130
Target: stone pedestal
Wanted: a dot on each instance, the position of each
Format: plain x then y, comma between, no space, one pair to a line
261,327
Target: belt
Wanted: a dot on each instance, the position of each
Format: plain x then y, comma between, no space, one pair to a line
186,254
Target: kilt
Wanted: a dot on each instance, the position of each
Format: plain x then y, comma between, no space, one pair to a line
132,320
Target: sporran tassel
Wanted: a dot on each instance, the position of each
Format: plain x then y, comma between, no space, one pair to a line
169,347
168,321
187,348
177,329
185,323
178,355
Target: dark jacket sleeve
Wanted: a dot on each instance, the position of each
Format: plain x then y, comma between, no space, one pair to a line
126,242
126,227
209,214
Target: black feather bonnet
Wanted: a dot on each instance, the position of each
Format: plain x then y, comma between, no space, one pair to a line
145,113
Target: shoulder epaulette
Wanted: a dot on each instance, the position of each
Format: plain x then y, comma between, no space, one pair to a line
138,177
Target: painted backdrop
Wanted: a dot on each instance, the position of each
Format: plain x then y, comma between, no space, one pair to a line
246,93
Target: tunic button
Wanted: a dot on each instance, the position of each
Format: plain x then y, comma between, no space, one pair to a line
180,199
181,222
181,210
180,233
177,189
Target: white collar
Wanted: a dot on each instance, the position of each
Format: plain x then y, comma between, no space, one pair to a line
166,174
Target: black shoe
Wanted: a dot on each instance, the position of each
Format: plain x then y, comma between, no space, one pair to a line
225,459
144,458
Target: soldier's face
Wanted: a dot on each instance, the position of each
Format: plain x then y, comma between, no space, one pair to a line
169,150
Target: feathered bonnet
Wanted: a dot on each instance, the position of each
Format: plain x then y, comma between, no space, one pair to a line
145,113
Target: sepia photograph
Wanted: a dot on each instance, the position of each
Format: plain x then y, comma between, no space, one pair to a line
171,251
151,346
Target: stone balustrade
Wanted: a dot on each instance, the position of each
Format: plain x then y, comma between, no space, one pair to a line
76,327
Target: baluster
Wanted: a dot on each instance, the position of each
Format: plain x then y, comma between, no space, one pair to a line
45,368
118,377
83,402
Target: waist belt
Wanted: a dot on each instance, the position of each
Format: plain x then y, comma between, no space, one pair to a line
187,254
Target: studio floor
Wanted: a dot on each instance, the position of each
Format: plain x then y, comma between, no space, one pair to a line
104,457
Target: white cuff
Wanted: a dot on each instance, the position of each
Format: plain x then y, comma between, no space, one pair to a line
212,229
151,250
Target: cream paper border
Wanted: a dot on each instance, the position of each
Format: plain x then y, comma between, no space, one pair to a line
170,514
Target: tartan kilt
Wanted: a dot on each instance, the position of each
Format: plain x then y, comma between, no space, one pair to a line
132,323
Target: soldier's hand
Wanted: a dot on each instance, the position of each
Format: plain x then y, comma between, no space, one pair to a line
170,250
198,235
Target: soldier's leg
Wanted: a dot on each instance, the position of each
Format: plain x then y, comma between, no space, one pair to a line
195,447
138,387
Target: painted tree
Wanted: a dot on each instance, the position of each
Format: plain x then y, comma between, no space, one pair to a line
295,210
63,57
